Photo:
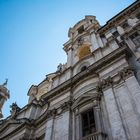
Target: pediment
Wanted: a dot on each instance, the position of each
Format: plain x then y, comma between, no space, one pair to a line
32,90
10,126
84,98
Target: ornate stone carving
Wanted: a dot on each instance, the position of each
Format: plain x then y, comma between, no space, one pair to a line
126,72
43,102
51,113
59,110
14,109
110,81
66,105
61,67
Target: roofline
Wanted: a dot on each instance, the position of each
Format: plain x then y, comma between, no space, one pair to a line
117,15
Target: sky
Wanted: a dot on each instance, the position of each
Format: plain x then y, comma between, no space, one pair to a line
32,34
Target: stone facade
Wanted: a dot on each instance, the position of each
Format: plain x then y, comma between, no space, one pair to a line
95,95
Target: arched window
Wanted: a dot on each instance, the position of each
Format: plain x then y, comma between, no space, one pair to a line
83,68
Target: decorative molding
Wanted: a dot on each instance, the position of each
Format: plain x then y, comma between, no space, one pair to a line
14,109
116,79
126,12
86,98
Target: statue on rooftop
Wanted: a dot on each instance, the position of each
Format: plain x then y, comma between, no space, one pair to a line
14,109
59,68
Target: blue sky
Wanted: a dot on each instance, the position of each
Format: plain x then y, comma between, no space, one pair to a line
32,34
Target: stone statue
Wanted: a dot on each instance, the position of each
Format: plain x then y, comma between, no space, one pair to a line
14,109
59,68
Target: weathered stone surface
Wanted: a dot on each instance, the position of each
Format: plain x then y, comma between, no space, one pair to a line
61,127
101,78
117,128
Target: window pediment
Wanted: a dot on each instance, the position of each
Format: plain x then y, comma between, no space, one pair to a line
84,98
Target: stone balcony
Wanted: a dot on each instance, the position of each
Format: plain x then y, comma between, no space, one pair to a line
95,136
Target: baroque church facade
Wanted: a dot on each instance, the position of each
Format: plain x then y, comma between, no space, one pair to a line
95,95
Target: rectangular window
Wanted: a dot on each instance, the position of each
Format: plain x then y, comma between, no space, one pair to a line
125,25
135,37
81,29
88,122
115,34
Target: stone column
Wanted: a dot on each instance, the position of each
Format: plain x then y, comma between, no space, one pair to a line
50,127
73,126
53,119
97,114
69,58
132,47
48,134
77,124
128,111
100,41
134,90
94,42
115,120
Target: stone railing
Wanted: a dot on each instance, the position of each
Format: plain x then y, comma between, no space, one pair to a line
95,136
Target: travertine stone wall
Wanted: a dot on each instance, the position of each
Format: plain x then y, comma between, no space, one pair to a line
128,110
106,126
61,127
108,85
49,128
117,128
123,112
134,91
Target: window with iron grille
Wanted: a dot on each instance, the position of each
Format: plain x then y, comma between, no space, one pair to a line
88,123
135,37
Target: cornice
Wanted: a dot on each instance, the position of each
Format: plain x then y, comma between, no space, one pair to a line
90,70
34,103
67,106
71,82
120,16
52,113
21,124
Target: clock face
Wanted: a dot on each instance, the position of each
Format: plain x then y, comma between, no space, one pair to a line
83,51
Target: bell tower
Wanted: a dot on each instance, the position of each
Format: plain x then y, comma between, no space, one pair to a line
83,40
4,95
